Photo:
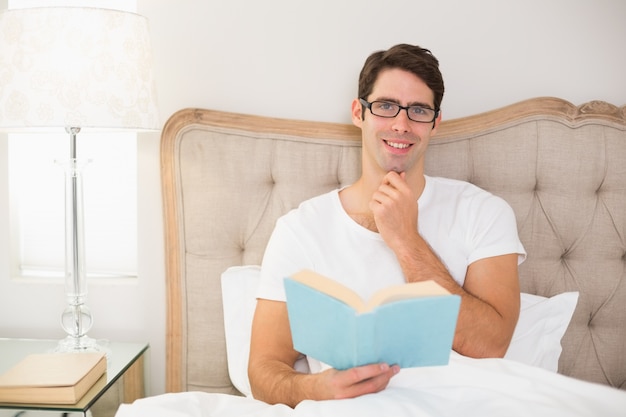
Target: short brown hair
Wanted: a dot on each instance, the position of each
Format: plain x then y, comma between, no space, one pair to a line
411,58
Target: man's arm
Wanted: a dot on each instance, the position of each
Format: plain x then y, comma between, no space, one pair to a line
272,359
490,296
492,305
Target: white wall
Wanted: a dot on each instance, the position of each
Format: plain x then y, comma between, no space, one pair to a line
297,59
300,59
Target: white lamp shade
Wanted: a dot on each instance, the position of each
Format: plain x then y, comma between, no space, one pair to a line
79,67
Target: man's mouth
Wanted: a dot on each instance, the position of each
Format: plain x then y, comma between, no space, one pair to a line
397,145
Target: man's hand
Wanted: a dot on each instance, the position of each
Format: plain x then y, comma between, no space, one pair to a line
354,382
394,206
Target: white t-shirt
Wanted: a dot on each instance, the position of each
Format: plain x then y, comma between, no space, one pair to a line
461,222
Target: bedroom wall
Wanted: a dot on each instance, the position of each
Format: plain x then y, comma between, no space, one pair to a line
298,59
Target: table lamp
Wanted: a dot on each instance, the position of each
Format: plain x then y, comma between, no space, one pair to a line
71,69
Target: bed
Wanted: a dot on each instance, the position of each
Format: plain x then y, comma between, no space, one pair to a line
227,177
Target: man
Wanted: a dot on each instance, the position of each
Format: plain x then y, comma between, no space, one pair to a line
393,225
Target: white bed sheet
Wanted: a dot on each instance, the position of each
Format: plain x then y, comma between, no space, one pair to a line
466,387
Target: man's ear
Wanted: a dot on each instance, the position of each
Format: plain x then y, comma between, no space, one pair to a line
357,112
436,124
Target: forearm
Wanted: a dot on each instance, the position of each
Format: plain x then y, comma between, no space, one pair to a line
482,330
276,382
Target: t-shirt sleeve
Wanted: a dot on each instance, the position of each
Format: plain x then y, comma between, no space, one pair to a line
495,232
283,257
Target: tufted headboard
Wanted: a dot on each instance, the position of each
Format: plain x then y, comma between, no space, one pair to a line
227,177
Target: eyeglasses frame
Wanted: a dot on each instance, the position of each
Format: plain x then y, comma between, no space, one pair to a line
400,108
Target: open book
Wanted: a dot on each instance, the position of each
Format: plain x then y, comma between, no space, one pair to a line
52,378
408,325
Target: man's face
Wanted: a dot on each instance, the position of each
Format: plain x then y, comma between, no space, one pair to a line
395,144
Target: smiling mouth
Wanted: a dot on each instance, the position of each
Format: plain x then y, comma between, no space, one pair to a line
398,145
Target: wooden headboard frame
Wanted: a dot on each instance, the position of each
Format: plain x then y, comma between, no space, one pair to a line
457,130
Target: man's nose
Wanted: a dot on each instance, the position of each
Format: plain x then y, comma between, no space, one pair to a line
401,123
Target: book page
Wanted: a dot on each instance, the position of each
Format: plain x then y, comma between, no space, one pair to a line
405,291
330,287
385,295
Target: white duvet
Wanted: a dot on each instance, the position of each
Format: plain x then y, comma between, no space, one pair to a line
466,387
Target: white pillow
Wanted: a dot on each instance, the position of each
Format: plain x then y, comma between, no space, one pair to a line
536,340
540,328
239,285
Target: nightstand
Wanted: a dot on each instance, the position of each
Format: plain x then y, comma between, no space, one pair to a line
124,381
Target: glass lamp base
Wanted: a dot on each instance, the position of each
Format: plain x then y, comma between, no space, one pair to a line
82,344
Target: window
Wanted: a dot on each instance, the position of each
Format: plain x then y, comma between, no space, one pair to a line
37,189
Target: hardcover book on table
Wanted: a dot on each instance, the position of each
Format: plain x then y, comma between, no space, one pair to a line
409,325
52,378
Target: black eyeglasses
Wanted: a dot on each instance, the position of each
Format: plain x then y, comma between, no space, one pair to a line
386,109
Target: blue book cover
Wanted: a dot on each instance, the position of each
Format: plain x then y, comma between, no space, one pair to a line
409,325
